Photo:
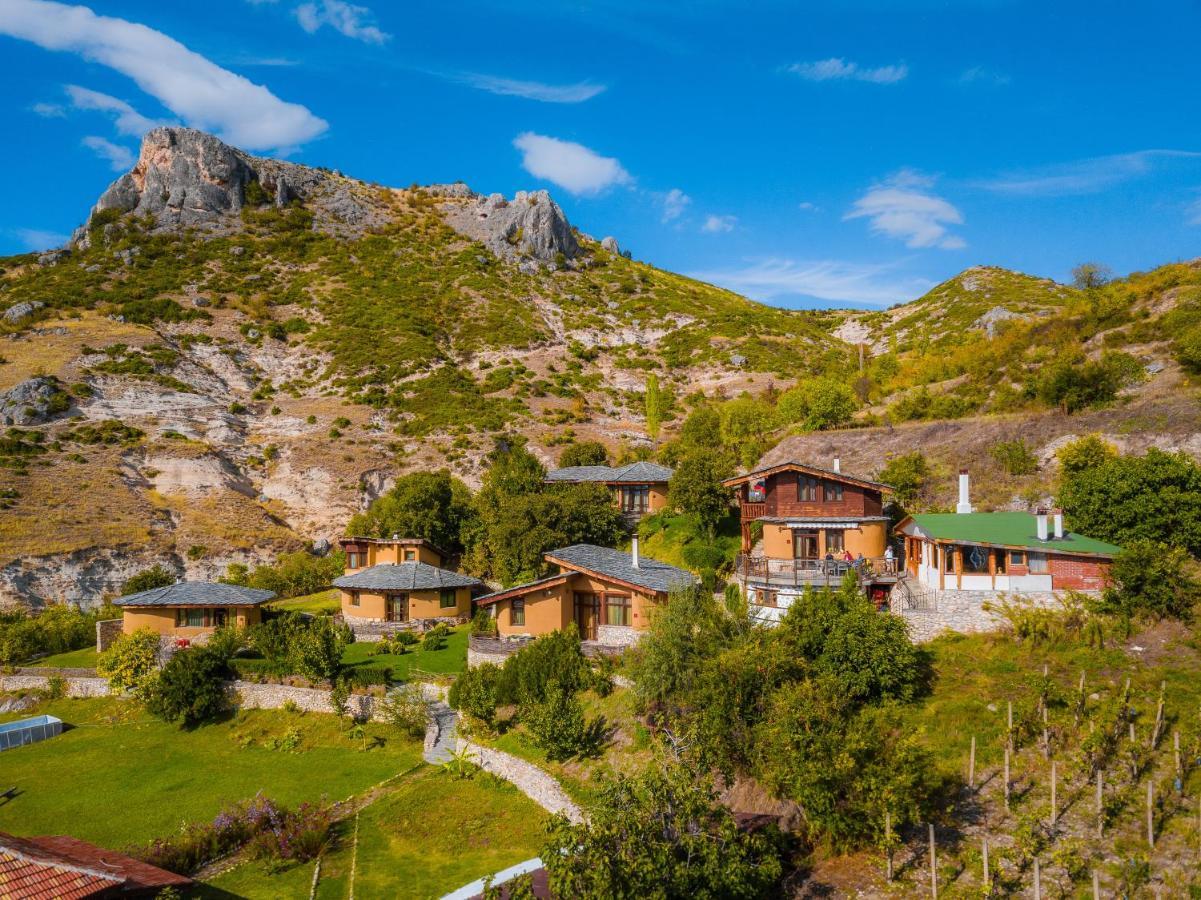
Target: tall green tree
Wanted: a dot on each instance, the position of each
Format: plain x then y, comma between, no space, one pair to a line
1156,497
584,453
695,489
430,505
654,406
818,403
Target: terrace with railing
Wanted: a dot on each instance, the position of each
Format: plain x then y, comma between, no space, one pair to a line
814,572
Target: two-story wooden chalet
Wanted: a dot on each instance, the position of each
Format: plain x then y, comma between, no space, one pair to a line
639,489
816,525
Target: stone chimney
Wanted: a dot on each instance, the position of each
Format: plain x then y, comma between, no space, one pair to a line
634,552
837,464
965,490
1057,523
1041,518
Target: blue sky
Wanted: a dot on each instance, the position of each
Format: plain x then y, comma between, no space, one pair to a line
822,154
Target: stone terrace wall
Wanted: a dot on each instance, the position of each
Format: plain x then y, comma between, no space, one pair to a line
107,631
76,686
536,784
251,695
964,612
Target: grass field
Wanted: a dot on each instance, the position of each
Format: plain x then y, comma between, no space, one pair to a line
115,753
318,603
450,660
72,659
664,538
428,834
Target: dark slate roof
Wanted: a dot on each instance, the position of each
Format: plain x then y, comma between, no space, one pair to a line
197,593
408,576
819,471
650,574
634,473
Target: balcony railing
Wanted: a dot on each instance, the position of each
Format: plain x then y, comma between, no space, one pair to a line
799,572
753,510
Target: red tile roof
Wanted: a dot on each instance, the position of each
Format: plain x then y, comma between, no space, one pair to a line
63,868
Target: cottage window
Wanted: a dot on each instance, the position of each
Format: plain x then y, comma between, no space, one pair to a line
446,600
354,599
355,559
975,560
835,540
190,618
517,613
635,499
948,554
1000,562
1017,558
833,492
410,555
806,488
617,609
1038,564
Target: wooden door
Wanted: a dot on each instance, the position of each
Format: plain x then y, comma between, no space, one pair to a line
587,615
398,607
804,544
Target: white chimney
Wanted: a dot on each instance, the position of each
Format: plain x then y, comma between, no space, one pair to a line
1041,518
396,537
634,553
965,502
1057,521
837,464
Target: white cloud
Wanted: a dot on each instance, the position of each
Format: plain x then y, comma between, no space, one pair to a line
838,69
569,165
344,18
128,120
533,90
1193,213
197,90
981,75
675,202
39,239
49,110
715,224
807,206
831,280
1084,176
119,158
902,207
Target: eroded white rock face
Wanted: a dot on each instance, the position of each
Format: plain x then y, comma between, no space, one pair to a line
531,226
198,475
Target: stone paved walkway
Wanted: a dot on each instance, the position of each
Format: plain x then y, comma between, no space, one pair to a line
441,738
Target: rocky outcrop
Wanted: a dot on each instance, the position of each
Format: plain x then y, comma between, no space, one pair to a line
33,401
989,321
610,243
185,177
20,311
531,226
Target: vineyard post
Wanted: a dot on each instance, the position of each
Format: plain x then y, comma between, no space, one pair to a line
1054,814
971,766
1158,717
987,885
1046,736
1096,885
1151,814
1006,779
1176,749
1100,803
933,865
1010,734
1080,703
888,841
1038,881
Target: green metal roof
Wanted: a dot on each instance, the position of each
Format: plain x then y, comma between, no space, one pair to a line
1006,529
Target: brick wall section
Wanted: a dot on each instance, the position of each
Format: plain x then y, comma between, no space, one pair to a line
1078,573
107,631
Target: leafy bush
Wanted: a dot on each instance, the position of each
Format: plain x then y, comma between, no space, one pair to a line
430,505
483,623
584,453
296,574
1084,453
405,709
695,489
191,688
435,638
1153,579
131,662
552,659
558,726
908,475
317,649
369,676
1014,457
148,579
56,628
818,403
475,692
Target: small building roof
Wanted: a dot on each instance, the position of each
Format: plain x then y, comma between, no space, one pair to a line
818,471
634,473
402,541
405,576
1000,529
197,593
522,589
650,574
64,868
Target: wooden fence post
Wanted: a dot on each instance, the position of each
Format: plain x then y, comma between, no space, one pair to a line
986,876
1096,885
1046,736
1038,881
1176,750
888,842
933,866
1006,779
971,765
1100,803
1151,814
1054,813
1009,735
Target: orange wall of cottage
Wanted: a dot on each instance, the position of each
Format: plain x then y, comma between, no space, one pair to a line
421,605
388,552
162,620
870,539
550,609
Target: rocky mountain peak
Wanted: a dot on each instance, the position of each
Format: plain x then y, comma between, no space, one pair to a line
531,226
185,178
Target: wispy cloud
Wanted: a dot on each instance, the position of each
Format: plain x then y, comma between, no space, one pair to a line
352,21
532,90
675,204
197,90
838,69
1084,176
903,207
830,280
808,206
569,165
127,119
119,158
50,110
715,224
984,77
1192,213
39,239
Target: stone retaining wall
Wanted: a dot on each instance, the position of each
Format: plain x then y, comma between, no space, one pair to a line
76,686
107,631
252,695
964,612
536,784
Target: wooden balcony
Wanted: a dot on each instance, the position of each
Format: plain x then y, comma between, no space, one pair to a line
752,510
813,572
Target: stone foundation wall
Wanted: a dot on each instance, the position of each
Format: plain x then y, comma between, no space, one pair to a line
251,695
964,612
617,635
107,631
76,687
479,657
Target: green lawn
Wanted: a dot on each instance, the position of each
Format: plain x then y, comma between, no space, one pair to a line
664,537
120,777
72,659
429,834
450,660
320,602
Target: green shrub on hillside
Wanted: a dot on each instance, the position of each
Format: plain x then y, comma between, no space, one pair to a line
1014,457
